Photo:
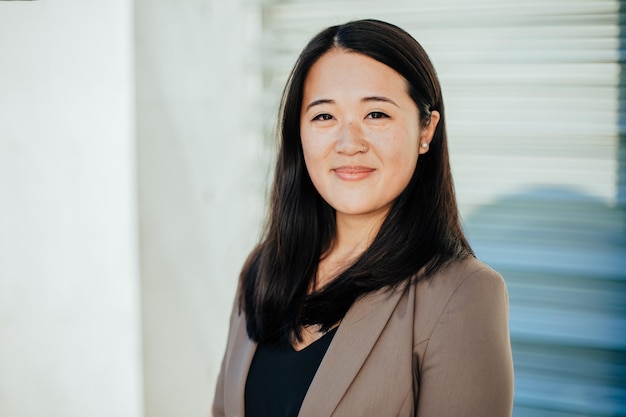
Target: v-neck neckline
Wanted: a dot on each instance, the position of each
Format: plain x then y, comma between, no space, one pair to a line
324,336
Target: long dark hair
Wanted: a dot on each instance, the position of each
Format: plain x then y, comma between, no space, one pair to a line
420,234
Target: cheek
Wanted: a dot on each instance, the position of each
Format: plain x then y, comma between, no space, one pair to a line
402,159
401,148
308,150
406,164
316,146
313,157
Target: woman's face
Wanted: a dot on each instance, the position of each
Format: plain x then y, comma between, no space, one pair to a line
361,132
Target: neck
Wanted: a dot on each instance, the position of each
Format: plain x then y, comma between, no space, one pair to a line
355,233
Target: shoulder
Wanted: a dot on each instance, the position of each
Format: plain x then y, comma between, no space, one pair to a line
469,272
462,343
467,287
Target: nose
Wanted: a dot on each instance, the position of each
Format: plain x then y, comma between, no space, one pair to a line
351,139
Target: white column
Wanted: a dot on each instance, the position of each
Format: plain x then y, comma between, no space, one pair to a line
200,191
69,303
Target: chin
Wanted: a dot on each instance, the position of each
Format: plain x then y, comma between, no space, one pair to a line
351,210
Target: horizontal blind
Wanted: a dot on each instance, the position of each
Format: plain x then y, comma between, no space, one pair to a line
532,94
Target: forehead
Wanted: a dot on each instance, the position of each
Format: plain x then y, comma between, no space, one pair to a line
342,72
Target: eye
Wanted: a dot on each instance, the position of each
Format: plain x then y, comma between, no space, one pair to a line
377,115
323,117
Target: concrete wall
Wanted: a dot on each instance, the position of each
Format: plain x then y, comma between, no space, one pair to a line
69,302
200,191
124,126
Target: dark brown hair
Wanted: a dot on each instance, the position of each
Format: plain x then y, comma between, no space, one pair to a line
420,234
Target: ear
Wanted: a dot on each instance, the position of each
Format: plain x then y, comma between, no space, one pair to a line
427,132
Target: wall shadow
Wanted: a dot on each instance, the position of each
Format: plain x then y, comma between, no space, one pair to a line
563,256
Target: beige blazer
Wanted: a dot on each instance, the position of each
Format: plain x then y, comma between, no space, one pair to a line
438,348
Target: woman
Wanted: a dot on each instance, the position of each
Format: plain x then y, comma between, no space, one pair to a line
364,298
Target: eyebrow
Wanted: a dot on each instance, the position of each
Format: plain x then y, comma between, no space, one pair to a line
364,99
380,98
318,102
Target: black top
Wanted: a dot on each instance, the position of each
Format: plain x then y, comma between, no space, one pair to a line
280,376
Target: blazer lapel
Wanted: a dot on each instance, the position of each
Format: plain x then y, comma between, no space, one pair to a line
351,345
240,360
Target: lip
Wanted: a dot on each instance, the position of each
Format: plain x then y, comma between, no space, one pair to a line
353,173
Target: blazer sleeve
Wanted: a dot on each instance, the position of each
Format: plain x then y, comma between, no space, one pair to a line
467,368
217,409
